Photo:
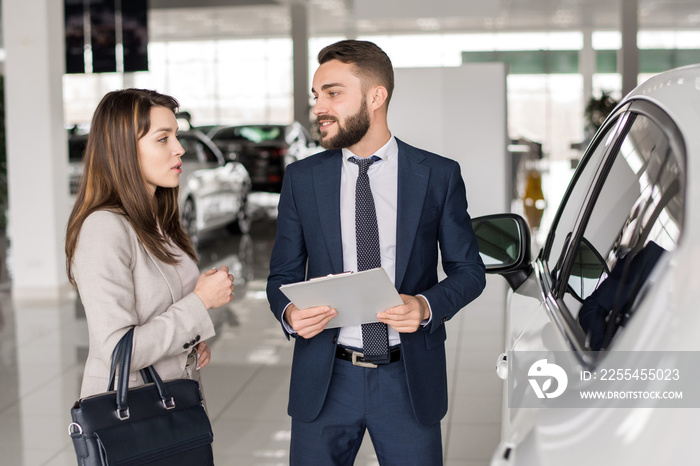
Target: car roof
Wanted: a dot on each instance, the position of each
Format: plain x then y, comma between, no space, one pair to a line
677,92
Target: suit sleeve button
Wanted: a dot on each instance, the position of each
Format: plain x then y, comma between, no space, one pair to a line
186,346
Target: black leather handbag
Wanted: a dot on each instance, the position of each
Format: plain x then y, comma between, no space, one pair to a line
159,423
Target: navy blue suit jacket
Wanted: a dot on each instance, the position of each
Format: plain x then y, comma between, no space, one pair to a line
432,209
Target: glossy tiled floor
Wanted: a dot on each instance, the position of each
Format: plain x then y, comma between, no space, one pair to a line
43,347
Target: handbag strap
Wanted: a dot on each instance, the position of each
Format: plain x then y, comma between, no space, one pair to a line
121,356
124,369
117,357
165,397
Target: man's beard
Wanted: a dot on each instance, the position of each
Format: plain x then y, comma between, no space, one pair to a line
351,132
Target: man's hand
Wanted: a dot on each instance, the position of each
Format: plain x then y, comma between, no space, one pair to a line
309,322
407,317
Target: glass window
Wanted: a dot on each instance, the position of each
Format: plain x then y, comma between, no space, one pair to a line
569,213
209,155
194,150
637,217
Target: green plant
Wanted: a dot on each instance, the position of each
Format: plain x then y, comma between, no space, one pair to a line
598,109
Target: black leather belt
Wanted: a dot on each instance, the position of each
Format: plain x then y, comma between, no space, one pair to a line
358,359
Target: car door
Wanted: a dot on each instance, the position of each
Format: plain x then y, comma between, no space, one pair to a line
530,324
620,219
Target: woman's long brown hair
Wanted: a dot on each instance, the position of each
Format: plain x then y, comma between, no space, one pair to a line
112,178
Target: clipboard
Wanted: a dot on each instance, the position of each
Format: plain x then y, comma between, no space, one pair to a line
357,296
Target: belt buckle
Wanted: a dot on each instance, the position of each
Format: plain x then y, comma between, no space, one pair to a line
356,362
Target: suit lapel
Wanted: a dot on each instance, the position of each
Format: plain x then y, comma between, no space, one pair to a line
412,187
326,180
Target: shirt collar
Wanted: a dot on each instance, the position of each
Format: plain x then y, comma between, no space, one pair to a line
386,152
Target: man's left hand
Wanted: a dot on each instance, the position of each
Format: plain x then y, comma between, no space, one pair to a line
407,317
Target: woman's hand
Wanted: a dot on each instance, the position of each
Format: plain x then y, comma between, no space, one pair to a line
215,287
203,354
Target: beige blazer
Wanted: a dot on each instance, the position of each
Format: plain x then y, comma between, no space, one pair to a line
122,285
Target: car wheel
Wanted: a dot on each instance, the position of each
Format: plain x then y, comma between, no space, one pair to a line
189,221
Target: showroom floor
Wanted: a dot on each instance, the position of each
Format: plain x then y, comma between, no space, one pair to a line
43,347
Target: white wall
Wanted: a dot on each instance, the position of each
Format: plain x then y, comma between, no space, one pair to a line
459,113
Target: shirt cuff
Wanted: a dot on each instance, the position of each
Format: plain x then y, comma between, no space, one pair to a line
427,321
288,328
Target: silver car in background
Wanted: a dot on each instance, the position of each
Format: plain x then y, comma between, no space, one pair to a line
610,304
213,191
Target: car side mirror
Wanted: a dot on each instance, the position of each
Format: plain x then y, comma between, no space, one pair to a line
504,246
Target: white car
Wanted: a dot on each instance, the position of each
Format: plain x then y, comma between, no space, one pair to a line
603,323
213,191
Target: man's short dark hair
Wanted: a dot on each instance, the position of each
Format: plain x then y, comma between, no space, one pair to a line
372,65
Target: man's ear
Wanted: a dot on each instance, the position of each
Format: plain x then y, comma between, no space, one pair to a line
377,97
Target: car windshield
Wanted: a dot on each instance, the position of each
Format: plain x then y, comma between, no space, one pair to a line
255,134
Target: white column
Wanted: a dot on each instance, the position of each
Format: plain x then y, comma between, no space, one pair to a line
300,60
37,157
628,59
587,65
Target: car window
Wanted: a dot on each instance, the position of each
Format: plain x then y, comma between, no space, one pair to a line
196,151
636,217
226,134
193,149
579,190
254,133
209,155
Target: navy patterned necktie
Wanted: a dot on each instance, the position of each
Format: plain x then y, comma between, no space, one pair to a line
375,337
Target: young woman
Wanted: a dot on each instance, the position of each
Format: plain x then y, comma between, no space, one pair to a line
126,253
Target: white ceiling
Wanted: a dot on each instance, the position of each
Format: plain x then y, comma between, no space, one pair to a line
199,19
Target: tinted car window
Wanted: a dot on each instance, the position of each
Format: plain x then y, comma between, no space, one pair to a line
636,218
196,151
254,133
570,212
192,149
209,156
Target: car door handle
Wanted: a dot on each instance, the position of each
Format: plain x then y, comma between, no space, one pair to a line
502,366
504,454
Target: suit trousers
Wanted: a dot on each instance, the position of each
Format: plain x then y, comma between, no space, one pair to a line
372,399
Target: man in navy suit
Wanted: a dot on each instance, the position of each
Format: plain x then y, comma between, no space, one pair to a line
336,394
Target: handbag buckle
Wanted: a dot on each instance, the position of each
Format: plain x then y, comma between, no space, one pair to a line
170,404
125,416
74,429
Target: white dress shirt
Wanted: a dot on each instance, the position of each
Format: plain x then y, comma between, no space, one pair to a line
383,180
